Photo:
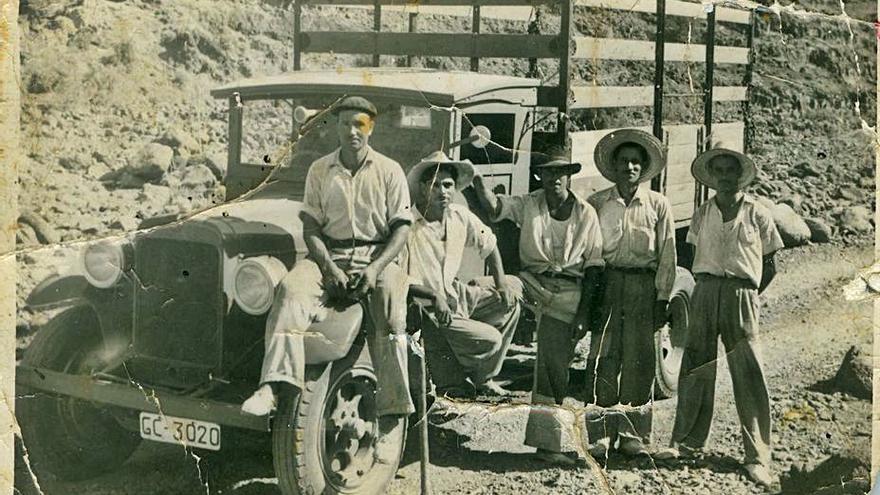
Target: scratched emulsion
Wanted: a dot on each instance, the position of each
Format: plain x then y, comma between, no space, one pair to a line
117,126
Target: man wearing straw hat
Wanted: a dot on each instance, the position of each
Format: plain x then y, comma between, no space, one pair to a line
470,326
734,239
356,216
638,234
560,247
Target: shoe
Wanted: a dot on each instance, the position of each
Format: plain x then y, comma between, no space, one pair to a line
557,458
492,389
457,392
261,403
632,448
389,443
760,474
676,451
599,449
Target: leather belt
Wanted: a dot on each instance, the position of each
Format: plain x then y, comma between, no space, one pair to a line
349,243
561,276
633,270
709,276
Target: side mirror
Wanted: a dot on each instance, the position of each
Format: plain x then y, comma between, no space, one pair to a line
302,114
479,137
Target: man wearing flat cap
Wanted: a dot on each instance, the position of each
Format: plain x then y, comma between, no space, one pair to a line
734,239
560,247
638,234
356,216
468,327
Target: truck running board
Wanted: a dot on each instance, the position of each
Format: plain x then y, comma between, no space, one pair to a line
133,396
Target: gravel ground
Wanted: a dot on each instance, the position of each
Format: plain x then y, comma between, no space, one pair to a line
821,439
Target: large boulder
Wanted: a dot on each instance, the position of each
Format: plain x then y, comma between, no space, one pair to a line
151,162
179,141
856,220
793,229
819,230
214,161
197,177
854,376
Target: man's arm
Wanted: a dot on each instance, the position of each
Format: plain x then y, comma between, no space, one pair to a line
768,271
334,277
488,199
591,292
496,268
365,281
438,299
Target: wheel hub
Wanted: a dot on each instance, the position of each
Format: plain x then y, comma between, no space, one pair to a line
350,432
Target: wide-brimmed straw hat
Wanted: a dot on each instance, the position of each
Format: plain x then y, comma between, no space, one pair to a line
556,157
701,172
608,145
464,168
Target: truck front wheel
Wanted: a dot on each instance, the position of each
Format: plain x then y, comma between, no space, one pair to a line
70,438
324,436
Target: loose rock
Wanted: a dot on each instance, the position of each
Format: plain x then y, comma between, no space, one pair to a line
856,219
854,374
793,229
151,162
819,230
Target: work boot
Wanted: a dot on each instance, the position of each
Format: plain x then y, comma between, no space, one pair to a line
676,451
632,447
261,403
492,388
760,475
599,449
390,440
557,458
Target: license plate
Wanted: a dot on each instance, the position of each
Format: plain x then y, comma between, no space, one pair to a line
180,431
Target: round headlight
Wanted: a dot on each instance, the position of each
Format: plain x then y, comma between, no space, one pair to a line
254,283
103,263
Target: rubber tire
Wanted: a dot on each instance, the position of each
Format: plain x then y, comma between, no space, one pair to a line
57,446
296,432
666,380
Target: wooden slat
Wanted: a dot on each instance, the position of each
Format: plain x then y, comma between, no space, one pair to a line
673,7
635,96
431,44
441,3
623,49
683,211
728,135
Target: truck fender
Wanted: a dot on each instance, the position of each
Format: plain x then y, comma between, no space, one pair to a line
57,290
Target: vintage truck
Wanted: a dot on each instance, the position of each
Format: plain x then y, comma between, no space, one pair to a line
160,333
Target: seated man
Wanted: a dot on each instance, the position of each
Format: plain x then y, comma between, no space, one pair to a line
470,326
356,216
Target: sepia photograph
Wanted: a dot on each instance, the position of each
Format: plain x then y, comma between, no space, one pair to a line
295,247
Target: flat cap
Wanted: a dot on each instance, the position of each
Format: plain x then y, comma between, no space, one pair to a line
357,103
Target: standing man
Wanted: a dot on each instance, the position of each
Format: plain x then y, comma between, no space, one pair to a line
639,251
735,239
356,216
470,326
560,247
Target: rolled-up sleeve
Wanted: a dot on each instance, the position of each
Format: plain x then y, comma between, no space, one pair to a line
694,229
312,196
479,235
771,241
666,254
512,208
593,236
397,197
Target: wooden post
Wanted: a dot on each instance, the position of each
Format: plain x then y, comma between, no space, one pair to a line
233,159
535,28
563,127
750,68
475,28
413,27
423,426
659,76
708,86
377,27
297,27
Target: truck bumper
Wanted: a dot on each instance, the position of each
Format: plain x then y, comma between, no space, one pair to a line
134,396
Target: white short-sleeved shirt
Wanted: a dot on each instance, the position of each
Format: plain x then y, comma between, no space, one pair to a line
735,248
359,206
638,235
581,248
433,252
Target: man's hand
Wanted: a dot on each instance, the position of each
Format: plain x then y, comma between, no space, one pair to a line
442,310
506,293
661,314
363,282
335,281
581,325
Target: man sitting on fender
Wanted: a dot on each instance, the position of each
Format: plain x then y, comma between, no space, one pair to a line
470,326
356,219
